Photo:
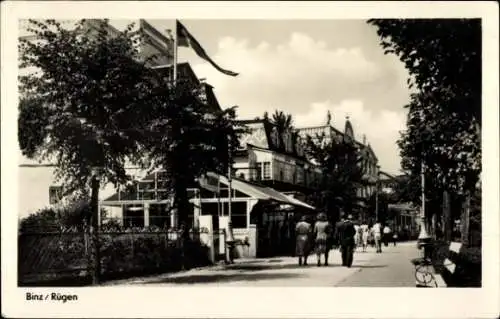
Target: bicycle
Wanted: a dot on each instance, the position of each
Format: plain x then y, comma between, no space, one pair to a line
424,268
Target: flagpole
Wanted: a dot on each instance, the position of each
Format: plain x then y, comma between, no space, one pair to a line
174,77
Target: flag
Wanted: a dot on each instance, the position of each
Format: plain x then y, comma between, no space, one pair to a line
185,39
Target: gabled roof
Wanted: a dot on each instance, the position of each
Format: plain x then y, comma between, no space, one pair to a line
270,143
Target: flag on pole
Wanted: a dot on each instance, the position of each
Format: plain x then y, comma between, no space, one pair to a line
185,39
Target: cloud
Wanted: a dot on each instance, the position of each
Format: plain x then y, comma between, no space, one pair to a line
380,127
286,75
294,75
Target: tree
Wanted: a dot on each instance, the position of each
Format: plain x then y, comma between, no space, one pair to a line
83,108
342,173
187,139
443,58
282,121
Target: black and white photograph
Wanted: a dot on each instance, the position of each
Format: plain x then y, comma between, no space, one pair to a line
180,152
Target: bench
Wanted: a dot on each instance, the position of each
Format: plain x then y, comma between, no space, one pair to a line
426,275
459,266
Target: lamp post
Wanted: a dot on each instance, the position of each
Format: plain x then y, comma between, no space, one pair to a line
377,186
230,237
423,237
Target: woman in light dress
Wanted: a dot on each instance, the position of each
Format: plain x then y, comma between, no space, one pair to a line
357,237
322,233
302,232
365,233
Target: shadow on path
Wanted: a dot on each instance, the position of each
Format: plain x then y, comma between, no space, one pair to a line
196,279
255,267
368,266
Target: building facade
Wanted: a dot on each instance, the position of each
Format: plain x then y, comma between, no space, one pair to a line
368,161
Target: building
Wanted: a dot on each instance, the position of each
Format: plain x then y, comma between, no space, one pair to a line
368,162
146,203
405,215
275,159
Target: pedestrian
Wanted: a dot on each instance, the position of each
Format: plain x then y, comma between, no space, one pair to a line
302,231
338,226
394,237
377,236
357,237
347,233
365,232
322,233
387,234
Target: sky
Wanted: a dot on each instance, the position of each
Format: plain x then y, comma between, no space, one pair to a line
305,68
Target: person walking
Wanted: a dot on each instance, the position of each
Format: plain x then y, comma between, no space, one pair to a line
338,227
365,232
387,234
377,236
347,232
303,232
322,233
394,237
357,237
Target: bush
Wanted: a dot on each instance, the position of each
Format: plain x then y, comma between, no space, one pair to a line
124,253
143,251
71,215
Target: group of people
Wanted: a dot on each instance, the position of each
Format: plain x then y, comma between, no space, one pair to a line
321,237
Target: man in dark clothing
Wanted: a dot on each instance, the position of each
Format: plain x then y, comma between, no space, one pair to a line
345,235
338,226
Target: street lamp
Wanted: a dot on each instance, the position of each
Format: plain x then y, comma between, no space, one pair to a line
377,186
230,237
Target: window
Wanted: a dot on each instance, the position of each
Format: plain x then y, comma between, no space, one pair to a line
289,173
238,214
258,171
133,216
159,215
55,194
300,175
266,173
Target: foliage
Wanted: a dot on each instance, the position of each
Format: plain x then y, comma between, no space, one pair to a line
443,58
281,120
342,173
187,138
124,253
95,103
72,215
83,107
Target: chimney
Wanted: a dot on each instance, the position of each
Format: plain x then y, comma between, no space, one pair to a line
364,139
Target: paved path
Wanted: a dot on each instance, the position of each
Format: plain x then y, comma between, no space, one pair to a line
392,268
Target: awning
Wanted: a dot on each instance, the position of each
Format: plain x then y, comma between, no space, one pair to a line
260,192
300,203
403,207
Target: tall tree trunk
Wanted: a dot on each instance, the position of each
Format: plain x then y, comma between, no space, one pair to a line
183,207
94,232
447,220
465,218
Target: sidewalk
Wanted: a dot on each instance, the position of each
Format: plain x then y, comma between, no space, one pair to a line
368,269
391,268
